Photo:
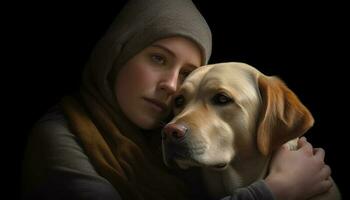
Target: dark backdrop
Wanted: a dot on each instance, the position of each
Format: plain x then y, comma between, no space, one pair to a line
305,45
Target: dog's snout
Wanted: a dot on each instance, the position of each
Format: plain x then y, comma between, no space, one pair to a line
174,131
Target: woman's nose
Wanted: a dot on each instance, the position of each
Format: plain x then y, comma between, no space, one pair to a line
169,83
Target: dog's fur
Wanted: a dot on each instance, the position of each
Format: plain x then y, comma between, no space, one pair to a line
234,117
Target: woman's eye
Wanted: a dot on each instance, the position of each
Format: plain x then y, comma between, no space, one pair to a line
184,74
158,59
221,99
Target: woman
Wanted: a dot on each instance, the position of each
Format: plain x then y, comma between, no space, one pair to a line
103,143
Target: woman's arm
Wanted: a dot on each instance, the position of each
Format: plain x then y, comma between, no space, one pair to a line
294,175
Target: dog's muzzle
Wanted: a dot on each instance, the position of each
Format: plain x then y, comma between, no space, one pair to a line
179,145
174,144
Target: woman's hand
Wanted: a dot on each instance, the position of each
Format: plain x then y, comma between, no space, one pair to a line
298,174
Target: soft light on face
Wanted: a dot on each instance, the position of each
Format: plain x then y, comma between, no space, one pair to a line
145,84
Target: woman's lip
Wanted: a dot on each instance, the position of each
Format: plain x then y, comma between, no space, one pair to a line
160,105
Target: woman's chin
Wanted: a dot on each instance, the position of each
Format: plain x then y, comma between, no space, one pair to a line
149,123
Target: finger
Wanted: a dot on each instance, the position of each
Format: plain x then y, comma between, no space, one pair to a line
322,187
325,185
325,172
302,141
305,146
319,153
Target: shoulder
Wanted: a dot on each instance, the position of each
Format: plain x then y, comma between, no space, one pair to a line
54,156
52,144
53,125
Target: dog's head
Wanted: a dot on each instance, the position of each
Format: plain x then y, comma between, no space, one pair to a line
231,111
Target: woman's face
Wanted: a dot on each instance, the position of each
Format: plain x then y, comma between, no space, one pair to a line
145,84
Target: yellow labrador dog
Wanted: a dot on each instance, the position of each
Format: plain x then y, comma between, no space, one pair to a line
229,117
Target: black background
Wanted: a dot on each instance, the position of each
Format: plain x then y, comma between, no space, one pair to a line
47,45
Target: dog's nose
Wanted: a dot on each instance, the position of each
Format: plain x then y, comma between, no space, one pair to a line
175,131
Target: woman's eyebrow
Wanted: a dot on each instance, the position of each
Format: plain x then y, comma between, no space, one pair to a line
164,48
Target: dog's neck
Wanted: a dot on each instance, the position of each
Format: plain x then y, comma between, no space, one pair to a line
238,174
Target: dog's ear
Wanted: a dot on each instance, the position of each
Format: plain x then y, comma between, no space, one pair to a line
282,117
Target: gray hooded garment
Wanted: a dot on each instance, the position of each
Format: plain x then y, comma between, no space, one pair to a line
138,25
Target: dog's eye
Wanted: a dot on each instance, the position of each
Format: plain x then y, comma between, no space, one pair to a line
221,99
179,101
